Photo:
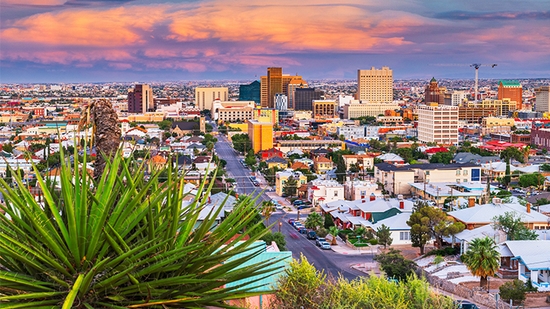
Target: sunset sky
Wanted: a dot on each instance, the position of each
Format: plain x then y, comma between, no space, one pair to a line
117,40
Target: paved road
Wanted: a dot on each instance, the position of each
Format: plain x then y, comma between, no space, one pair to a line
332,263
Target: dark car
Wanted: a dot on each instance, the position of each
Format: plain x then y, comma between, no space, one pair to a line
464,304
297,202
311,235
304,207
291,221
302,230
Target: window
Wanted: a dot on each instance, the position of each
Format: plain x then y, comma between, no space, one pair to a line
458,172
335,193
465,173
404,236
465,180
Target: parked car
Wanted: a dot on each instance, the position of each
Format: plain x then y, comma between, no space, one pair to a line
291,221
311,235
302,230
325,245
464,304
298,202
278,206
256,184
319,240
298,225
304,207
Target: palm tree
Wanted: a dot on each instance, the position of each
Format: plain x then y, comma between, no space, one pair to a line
268,208
507,155
333,230
313,221
122,241
482,258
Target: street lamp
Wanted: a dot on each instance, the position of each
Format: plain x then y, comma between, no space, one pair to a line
280,224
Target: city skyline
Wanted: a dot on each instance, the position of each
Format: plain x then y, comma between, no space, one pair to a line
125,41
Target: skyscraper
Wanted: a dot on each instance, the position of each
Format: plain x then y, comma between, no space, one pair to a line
542,103
277,82
434,93
303,98
250,92
140,99
375,86
438,124
512,90
204,96
274,84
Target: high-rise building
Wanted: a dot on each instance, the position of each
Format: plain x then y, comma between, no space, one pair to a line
542,101
204,96
433,93
276,82
140,99
294,83
511,89
281,102
375,86
455,97
438,124
261,135
303,98
250,92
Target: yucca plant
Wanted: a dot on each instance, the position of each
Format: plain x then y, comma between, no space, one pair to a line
123,241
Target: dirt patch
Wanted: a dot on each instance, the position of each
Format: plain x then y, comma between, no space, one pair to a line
408,251
537,300
494,283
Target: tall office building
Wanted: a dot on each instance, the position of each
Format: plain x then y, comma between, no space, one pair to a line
511,89
281,102
204,96
294,83
250,92
542,101
260,134
303,98
140,99
434,93
276,82
438,124
375,86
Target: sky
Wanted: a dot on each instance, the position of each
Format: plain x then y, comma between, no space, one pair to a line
53,41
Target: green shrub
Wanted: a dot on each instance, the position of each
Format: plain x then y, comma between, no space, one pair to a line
514,290
373,241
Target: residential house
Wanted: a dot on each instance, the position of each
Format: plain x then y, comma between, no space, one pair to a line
350,214
498,169
299,165
480,215
362,161
529,259
282,177
360,189
391,158
271,153
394,179
182,128
465,237
324,191
460,193
204,164
265,282
322,164
277,162
467,157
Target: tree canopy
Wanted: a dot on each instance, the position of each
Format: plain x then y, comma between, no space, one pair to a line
512,224
482,258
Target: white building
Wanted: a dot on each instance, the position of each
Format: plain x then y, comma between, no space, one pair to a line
324,191
353,132
356,109
360,189
438,124
281,102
